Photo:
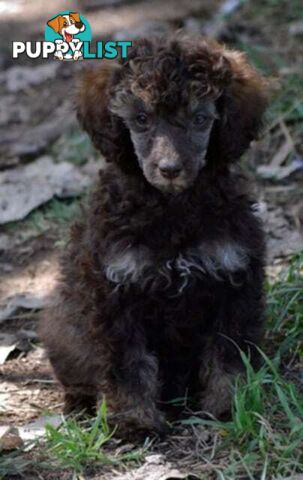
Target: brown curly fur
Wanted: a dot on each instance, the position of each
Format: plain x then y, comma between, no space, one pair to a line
173,326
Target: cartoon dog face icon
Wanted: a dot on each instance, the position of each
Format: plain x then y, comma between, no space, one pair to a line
67,25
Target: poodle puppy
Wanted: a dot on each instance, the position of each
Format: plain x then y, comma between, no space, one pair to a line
162,280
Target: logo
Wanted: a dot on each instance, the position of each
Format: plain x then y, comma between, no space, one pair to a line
68,36
68,30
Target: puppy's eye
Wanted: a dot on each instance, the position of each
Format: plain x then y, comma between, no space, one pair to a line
65,24
200,119
142,119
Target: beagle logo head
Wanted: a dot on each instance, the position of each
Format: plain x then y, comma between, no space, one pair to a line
68,30
68,36
67,25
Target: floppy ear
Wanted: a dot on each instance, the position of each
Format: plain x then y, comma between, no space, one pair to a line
241,109
56,23
107,131
75,16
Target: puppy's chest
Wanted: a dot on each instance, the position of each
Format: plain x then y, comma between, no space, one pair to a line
147,269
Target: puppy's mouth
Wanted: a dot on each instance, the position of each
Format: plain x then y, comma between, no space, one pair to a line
68,37
171,186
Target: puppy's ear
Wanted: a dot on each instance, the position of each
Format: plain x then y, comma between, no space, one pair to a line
107,131
241,108
56,23
75,16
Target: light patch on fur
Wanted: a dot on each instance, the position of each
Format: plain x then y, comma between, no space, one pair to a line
219,260
127,266
135,264
226,257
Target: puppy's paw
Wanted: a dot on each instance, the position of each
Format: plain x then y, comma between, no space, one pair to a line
80,404
140,421
77,55
58,55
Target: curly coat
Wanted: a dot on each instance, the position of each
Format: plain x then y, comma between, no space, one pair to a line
161,288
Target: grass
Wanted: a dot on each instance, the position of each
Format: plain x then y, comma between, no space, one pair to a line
77,446
54,212
287,97
264,439
75,147
55,216
285,312
276,53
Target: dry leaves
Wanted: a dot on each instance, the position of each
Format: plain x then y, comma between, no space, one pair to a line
154,468
25,188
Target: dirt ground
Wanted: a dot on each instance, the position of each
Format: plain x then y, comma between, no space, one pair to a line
37,119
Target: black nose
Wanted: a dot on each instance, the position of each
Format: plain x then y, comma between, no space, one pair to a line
79,25
169,170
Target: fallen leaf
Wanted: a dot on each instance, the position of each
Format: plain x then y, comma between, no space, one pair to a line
8,344
217,25
276,172
10,438
34,430
19,78
154,468
282,153
283,238
296,28
27,301
33,141
92,4
145,29
25,188
293,477
21,341
13,111
4,242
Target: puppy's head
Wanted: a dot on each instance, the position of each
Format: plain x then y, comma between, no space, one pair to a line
173,108
67,25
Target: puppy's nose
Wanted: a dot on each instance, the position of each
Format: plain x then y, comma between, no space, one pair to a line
79,24
169,169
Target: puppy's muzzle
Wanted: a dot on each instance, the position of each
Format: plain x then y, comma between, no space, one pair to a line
169,169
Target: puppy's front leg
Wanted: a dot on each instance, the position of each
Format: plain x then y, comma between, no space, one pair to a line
134,387
217,386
